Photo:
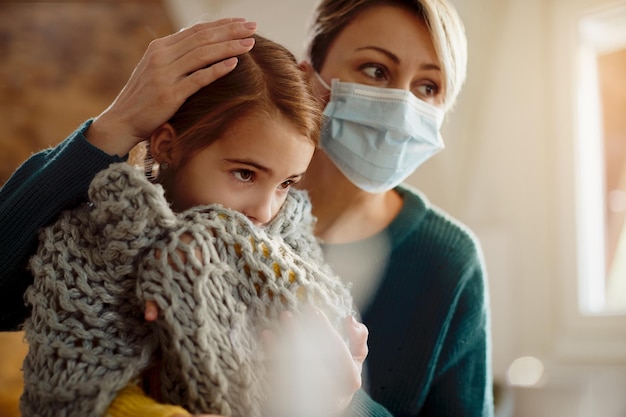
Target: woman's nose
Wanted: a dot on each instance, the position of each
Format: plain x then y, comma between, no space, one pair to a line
401,85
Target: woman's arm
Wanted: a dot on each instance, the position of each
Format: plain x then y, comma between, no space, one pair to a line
363,406
47,183
172,69
462,385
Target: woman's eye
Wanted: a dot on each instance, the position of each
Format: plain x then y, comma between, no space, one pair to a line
376,72
243,175
427,90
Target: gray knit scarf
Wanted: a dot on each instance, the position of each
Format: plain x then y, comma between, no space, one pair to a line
217,280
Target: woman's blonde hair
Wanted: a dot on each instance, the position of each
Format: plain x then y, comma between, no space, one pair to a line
443,22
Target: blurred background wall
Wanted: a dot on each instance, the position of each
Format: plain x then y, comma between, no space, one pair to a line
61,62
508,170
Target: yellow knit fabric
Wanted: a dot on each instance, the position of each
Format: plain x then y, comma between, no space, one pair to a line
133,402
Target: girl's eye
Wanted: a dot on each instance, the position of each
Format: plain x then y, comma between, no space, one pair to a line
287,184
244,175
374,71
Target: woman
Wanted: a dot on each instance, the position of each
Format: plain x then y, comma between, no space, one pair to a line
395,68
426,306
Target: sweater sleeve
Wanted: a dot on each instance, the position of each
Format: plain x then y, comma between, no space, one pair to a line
462,384
364,406
47,183
133,402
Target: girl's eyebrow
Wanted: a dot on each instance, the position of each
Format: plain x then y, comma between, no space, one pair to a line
258,166
296,175
393,57
250,163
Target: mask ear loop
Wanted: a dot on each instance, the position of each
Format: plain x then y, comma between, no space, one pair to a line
321,80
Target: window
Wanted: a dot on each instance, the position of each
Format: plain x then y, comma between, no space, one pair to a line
588,63
601,161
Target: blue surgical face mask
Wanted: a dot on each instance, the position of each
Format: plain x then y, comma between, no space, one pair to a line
378,136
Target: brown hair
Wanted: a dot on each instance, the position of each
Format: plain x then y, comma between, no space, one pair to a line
267,80
445,26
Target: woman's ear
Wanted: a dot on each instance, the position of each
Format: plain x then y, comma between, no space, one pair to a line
307,68
319,90
161,144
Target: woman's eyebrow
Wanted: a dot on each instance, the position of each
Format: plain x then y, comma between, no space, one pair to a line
389,54
393,57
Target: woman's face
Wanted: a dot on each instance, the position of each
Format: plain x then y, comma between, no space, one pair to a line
250,169
386,46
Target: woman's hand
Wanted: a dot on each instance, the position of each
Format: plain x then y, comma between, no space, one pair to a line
343,359
312,366
351,355
357,344
172,69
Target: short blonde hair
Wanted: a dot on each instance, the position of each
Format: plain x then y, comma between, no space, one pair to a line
441,18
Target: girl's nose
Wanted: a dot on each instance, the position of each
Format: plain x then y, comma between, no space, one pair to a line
262,210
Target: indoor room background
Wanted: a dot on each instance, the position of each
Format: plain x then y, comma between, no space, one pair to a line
535,164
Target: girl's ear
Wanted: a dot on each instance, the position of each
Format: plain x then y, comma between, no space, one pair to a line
161,144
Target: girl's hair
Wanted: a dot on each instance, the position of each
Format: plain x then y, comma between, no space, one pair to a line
266,80
443,22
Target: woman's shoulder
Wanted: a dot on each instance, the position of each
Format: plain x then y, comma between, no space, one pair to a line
421,216
420,219
431,242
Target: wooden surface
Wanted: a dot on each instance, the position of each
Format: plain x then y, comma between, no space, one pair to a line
12,351
61,63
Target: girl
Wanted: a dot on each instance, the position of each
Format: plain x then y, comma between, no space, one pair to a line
217,273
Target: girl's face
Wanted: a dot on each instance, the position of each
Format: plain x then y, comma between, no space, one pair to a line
386,46
250,169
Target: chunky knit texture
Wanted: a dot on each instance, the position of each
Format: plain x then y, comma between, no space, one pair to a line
217,280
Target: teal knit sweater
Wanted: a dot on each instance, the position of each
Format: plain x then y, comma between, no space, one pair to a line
429,340
428,318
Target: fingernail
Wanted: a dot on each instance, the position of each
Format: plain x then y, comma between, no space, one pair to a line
250,25
246,42
230,62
